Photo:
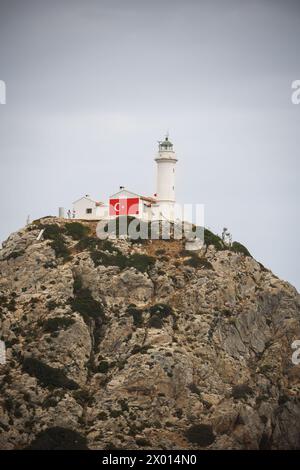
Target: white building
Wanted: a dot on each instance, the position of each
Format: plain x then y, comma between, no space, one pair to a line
88,208
124,202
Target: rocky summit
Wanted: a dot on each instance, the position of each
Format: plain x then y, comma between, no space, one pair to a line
117,344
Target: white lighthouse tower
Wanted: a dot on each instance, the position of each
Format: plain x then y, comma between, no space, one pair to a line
165,186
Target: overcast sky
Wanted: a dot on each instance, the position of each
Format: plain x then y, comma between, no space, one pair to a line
93,84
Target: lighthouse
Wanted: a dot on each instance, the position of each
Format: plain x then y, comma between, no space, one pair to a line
165,184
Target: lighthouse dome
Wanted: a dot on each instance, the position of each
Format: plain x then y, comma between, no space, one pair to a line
165,144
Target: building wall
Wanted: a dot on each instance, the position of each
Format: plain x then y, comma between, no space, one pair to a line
81,206
102,212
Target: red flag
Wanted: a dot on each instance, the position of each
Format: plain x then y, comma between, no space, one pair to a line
124,206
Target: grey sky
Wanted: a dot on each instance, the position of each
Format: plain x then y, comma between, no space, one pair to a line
92,85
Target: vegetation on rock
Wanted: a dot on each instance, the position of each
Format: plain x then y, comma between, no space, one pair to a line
54,233
141,262
196,261
158,313
201,434
47,375
241,391
137,315
239,248
211,239
76,230
57,323
58,438
15,254
86,305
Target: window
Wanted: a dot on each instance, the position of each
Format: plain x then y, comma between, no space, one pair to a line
89,211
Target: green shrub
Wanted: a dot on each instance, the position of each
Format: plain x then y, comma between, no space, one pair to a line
137,349
239,248
204,263
201,434
86,305
51,231
61,250
142,442
82,396
54,232
88,243
265,368
58,438
101,258
98,251
107,245
211,239
124,405
3,301
265,442
77,284
158,313
136,314
194,389
162,310
76,230
155,321
52,305
49,402
47,375
57,323
9,404
141,262
10,304
15,254
116,413
241,391
138,261
196,262
103,367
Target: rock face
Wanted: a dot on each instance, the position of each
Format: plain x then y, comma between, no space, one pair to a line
132,346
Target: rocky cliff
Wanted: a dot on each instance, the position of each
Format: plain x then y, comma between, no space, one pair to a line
115,344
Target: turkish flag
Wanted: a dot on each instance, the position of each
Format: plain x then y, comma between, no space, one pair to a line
124,206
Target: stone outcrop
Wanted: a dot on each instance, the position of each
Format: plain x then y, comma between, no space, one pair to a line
140,346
